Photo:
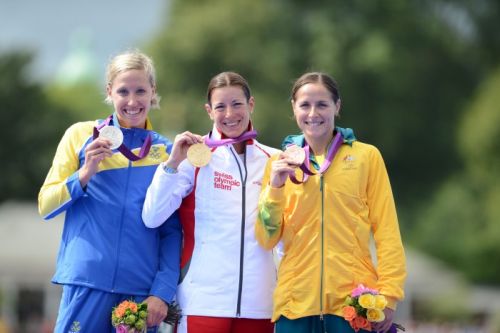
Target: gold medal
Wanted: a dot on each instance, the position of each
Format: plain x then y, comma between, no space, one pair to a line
199,155
113,134
295,154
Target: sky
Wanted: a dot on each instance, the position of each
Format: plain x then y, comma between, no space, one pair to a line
55,29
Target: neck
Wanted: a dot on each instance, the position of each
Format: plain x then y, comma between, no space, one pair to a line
239,147
319,145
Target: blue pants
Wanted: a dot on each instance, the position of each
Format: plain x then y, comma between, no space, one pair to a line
85,310
313,324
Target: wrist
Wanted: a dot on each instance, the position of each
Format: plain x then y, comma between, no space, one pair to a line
169,169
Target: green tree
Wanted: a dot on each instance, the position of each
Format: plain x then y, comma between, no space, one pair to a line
404,69
461,223
32,127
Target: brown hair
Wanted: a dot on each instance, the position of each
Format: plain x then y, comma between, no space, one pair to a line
317,77
228,79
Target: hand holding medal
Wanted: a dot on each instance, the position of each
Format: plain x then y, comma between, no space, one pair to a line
294,156
113,135
199,154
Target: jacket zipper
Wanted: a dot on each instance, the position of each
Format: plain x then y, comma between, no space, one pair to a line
118,248
322,247
242,235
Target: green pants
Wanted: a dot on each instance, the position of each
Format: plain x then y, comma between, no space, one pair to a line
313,324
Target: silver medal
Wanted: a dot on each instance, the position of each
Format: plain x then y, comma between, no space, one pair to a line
113,134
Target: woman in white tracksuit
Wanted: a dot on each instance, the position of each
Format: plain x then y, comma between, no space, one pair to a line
227,280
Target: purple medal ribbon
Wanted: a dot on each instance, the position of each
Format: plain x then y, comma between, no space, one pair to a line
123,149
212,143
337,142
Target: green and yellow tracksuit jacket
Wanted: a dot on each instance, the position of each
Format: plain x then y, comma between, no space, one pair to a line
325,225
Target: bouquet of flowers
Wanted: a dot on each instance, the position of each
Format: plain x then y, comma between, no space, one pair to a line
174,314
366,306
130,317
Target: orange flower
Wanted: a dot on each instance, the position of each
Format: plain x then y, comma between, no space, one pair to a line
133,307
349,312
363,323
119,312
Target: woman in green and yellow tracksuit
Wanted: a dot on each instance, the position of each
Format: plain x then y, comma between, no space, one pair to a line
325,212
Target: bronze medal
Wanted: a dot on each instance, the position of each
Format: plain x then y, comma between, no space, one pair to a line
295,154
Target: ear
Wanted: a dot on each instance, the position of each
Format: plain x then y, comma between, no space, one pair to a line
338,105
108,90
251,104
293,107
208,108
153,95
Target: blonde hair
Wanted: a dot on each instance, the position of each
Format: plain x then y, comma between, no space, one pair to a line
129,60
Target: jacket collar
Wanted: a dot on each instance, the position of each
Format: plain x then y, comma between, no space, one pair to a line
347,136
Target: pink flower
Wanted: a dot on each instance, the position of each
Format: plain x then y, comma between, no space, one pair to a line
121,329
361,289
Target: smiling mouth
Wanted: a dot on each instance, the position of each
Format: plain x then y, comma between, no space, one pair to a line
133,112
314,123
232,123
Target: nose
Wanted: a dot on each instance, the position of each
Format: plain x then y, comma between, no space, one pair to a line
131,100
229,111
313,110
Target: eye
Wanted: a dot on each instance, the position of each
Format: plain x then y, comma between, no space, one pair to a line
219,107
141,91
237,104
122,92
304,105
322,105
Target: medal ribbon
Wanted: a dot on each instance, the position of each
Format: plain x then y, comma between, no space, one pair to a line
337,142
213,143
123,149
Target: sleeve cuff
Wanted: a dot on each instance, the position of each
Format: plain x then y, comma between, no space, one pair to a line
276,194
391,302
162,291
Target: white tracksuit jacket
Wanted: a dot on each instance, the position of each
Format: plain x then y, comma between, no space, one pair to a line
224,271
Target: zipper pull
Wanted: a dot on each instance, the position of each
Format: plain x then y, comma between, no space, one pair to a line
323,324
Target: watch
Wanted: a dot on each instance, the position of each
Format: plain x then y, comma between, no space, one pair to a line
169,170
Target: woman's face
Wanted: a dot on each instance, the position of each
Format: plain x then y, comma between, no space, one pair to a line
230,111
131,93
315,111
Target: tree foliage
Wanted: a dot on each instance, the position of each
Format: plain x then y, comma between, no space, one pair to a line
407,72
404,68
32,127
461,222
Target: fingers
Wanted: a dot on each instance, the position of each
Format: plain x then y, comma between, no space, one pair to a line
283,166
97,151
280,169
181,144
188,138
157,311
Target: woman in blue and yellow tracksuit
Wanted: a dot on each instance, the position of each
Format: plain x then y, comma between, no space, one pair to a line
107,255
325,222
